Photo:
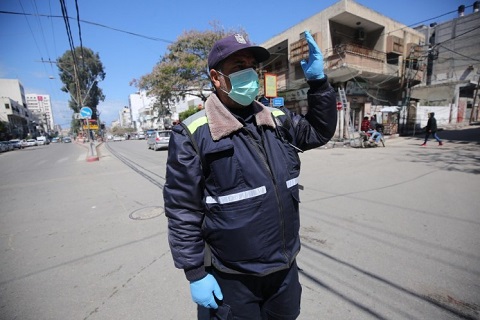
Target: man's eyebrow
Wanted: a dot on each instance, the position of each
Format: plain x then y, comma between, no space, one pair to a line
245,61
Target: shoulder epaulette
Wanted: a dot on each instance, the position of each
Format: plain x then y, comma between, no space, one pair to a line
195,120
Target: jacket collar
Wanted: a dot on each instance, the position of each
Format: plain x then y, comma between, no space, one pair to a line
222,122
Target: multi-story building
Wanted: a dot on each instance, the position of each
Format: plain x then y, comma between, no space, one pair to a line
365,54
125,117
19,120
453,67
41,106
149,116
140,105
384,67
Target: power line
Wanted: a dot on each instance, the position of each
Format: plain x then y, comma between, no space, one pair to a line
40,26
453,51
30,28
418,23
91,23
72,49
80,33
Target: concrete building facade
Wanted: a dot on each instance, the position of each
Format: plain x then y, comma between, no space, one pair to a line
125,117
385,68
18,119
364,53
453,66
146,115
141,105
41,106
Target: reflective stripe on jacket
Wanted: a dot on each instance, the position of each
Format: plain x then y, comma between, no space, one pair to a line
240,194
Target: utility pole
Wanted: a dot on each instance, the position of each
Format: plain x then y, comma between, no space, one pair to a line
408,89
473,116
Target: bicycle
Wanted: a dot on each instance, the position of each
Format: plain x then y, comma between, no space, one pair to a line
368,143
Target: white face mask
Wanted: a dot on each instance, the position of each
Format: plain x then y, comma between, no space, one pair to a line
245,86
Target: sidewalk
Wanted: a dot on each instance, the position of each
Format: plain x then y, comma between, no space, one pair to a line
455,133
92,149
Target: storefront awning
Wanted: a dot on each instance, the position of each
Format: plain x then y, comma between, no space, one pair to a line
389,109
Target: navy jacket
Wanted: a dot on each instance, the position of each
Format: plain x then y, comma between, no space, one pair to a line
234,203
431,124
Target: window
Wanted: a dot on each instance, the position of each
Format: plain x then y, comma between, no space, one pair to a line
7,106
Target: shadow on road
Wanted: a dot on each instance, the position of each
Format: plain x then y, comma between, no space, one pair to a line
459,152
462,135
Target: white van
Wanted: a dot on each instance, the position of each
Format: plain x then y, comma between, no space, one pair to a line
42,140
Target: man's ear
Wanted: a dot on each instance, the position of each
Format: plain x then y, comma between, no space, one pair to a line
214,78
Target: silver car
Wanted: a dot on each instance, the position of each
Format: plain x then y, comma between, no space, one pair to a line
158,140
31,142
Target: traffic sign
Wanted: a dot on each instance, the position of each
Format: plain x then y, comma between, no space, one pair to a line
278,102
91,127
86,112
339,106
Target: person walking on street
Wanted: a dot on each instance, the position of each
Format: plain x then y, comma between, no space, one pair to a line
431,128
231,192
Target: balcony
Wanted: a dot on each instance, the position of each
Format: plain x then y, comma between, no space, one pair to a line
347,61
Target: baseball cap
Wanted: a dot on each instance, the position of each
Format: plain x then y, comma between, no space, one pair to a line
227,46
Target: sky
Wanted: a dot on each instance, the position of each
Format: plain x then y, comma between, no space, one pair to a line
132,36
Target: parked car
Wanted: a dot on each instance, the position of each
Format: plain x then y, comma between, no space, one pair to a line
3,147
118,138
24,143
41,140
16,143
67,140
159,140
55,140
6,146
31,143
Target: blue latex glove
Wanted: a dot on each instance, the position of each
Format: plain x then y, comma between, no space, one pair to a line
313,69
203,290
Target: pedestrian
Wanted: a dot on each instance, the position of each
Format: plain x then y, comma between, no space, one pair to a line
431,128
374,134
373,122
365,125
231,192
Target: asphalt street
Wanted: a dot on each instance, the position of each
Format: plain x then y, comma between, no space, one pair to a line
387,233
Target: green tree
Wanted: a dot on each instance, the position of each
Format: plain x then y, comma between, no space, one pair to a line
3,130
183,69
80,73
187,113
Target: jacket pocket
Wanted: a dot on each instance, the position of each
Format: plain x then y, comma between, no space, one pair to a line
233,229
223,169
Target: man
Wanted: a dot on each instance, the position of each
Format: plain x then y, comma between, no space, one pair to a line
365,125
431,128
374,134
231,191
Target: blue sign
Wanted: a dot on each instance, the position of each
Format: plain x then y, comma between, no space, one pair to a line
86,112
278,102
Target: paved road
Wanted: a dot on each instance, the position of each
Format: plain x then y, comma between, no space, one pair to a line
388,233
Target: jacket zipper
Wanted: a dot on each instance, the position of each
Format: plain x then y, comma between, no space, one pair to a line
262,153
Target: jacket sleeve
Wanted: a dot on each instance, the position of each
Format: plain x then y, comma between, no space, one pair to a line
429,124
183,196
318,126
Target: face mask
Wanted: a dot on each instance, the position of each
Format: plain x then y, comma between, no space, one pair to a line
244,86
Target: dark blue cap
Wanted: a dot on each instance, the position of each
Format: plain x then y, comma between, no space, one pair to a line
225,47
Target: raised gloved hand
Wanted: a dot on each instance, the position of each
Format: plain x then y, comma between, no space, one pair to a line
313,69
203,292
